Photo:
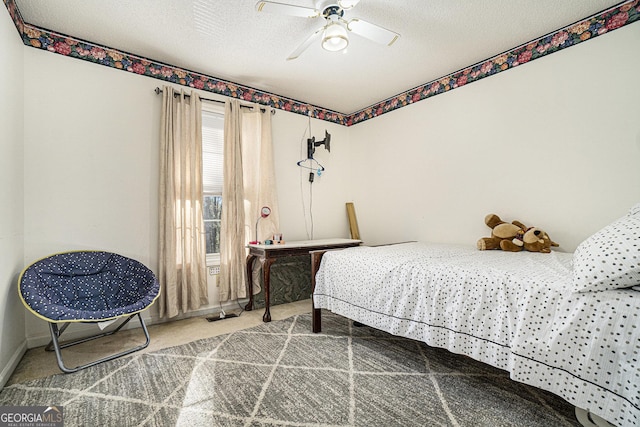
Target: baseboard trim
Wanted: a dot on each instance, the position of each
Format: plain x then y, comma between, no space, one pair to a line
210,310
84,330
13,363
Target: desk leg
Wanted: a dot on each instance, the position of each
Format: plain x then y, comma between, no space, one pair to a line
250,261
266,272
316,318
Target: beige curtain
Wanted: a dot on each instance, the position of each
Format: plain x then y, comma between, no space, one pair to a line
232,237
259,179
258,173
182,257
249,184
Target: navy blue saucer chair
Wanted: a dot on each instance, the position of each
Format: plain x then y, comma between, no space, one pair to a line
89,287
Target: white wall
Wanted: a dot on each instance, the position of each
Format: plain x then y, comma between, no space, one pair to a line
426,172
90,162
91,167
554,143
330,191
12,326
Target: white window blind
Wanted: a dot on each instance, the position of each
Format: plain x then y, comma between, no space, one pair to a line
212,152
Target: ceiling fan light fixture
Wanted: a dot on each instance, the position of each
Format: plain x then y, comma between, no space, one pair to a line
335,37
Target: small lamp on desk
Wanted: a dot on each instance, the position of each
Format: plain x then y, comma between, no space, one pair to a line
264,212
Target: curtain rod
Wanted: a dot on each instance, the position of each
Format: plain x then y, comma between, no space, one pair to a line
158,91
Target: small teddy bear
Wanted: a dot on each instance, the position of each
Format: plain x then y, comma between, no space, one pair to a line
514,237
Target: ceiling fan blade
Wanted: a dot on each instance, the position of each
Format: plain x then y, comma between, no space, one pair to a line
308,42
347,4
372,32
286,9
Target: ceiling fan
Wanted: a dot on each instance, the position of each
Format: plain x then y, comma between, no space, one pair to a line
335,33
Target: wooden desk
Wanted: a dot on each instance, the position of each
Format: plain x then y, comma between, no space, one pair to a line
269,253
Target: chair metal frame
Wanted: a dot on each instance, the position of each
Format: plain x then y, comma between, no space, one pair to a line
57,346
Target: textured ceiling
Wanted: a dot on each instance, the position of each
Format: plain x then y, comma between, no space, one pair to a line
230,40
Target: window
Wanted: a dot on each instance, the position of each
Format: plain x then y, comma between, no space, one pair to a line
212,174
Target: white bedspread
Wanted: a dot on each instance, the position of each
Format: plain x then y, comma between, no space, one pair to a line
514,311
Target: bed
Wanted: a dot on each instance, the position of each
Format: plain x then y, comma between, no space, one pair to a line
568,323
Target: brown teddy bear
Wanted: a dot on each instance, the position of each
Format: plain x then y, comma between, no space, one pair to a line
514,237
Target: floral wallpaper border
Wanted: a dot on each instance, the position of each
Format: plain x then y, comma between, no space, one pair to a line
609,20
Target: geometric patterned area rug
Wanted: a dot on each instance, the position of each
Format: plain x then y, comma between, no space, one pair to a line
281,374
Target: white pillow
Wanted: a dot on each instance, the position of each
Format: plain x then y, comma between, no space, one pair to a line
610,258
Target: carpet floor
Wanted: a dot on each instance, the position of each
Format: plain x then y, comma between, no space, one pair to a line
280,374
